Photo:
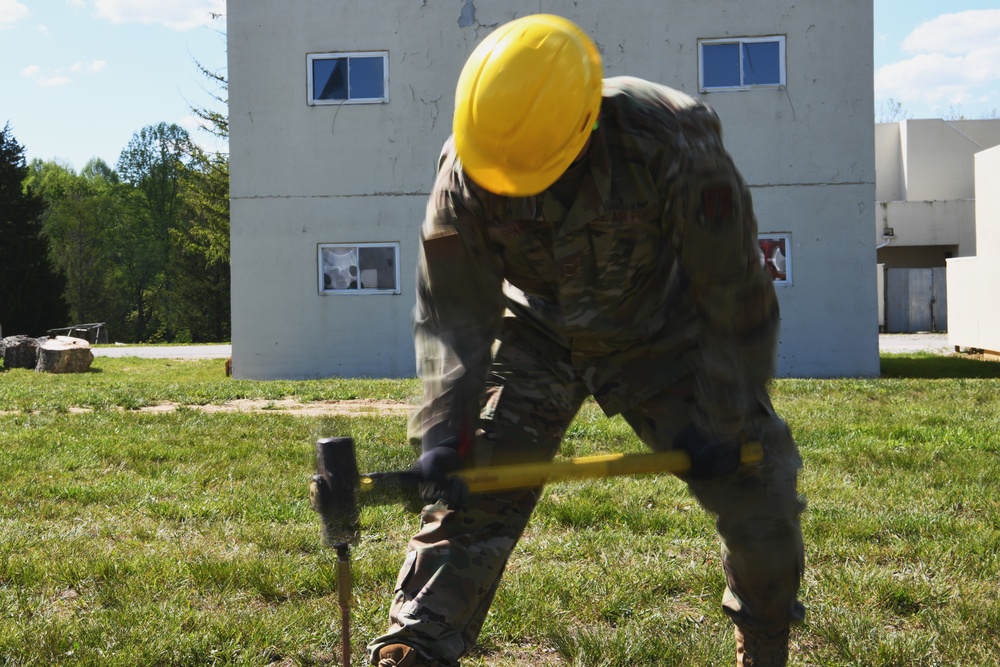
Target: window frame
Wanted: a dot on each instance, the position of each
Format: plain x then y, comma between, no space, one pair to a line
740,41
359,290
346,55
786,239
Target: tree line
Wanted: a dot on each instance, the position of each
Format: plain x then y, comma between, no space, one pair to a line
142,246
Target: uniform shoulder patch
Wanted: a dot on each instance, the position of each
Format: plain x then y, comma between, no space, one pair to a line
717,205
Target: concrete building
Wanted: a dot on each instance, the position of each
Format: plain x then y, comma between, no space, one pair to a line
925,214
338,111
974,282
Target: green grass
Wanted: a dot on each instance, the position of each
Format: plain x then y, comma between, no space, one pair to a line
185,538
134,383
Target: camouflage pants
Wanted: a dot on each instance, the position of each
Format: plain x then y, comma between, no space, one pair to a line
454,563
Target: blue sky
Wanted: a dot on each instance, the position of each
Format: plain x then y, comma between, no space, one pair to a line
938,58
79,77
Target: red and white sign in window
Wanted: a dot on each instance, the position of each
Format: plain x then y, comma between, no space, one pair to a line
775,254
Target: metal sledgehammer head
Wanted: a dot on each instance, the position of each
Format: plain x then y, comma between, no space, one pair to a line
333,489
332,494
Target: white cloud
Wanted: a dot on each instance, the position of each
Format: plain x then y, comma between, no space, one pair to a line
58,77
89,68
11,11
52,81
45,80
964,32
955,58
42,28
174,14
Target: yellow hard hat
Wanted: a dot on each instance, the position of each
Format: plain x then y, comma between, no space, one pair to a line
527,100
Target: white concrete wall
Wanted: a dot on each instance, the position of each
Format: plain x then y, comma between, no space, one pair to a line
305,175
974,282
938,155
925,181
888,163
988,205
929,223
880,285
964,287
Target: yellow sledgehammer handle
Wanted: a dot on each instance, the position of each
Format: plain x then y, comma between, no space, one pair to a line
530,475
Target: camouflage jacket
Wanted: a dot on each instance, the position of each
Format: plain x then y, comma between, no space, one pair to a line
650,273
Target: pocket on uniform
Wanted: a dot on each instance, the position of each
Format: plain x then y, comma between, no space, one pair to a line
626,244
406,571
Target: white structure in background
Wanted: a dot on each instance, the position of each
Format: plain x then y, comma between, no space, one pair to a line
925,214
974,282
338,111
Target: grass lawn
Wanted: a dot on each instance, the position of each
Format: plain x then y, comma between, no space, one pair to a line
185,537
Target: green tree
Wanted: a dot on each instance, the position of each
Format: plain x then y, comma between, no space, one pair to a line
215,122
30,288
97,170
151,167
80,211
202,237
200,266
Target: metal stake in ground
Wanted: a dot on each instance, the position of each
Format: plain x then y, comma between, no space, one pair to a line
344,599
332,494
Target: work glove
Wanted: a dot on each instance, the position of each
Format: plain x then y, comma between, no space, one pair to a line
433,468
710,457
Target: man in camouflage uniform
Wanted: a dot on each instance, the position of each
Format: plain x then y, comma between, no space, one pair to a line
631,275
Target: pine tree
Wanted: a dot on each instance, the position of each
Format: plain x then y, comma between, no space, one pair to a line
31,290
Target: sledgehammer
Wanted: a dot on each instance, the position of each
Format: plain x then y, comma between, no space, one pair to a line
337,487
331,493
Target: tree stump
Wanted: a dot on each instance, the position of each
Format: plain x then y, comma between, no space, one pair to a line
20,352
63,354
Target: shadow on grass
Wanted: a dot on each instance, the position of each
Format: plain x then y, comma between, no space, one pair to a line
4,369
933,366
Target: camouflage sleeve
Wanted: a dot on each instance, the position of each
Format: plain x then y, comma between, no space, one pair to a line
715,238
458,312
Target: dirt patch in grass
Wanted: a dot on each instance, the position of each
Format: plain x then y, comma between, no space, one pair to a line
357,406
290,406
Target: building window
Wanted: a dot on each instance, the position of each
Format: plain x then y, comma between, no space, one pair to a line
775,254
361,268
742,63
348,78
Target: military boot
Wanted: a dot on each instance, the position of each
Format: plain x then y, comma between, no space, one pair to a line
761,648
399,655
